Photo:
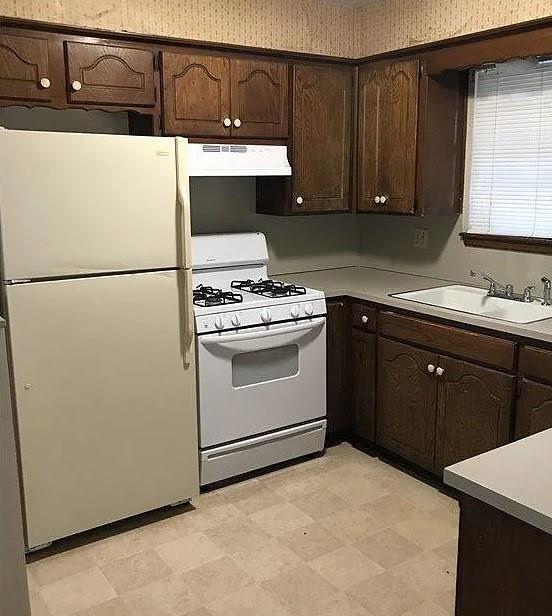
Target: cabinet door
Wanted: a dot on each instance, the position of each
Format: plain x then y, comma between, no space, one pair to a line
474,411
534,408
259,98
110,75
388,120
338,417
406,402
196,95
25,71
363,387
322,120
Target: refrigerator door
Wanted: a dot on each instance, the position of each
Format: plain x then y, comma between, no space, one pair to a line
73,204
105,399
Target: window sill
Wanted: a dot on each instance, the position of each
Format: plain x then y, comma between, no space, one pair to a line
508,242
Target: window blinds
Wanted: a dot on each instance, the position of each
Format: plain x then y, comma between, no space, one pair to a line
509,153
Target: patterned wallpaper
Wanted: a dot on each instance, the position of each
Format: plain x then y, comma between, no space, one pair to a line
331,27
383,25
295,25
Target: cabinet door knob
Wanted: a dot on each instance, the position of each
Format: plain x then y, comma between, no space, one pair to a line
227,122
76,85
440,371
364,319
237,122
383,199
377,199
299,200
44,83
430,368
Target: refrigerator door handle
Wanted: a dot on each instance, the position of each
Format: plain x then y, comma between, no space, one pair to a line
187,312
184,234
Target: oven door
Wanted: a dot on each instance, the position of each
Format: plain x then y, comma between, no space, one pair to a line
261,379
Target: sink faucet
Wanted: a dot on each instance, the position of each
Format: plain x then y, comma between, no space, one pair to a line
547,291
493,284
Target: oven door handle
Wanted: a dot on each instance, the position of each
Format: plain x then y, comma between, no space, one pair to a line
223,340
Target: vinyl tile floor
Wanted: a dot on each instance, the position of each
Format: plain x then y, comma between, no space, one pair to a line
344,534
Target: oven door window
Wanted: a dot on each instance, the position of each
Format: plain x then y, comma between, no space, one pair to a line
256,367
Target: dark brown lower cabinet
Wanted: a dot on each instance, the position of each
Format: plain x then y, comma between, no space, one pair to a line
534,408
504,564
474,410
434,410
406,402
336,402
363,384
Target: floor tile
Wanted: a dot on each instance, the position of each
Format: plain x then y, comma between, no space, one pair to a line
262,564
77,592
360,490
387,548
117,546
352,524
311,541
342,605
188,552
428,609
321,503
427,573
250,601
53,568
300,590
386,595
391,509
215,515
238,536
170,529
38,607
345,567
135,571
281,519
261,498
115,607
428,530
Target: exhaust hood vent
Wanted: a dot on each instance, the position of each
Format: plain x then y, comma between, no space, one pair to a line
213,159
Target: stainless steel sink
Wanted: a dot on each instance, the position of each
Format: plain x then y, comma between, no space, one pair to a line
476,301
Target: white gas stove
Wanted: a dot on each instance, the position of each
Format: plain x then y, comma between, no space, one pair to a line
261,359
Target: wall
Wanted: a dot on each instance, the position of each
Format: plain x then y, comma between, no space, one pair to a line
295,244
296,25
386,242
384,25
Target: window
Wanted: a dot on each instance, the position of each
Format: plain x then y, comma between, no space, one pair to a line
508,192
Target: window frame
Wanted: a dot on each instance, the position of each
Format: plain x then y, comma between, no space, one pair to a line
517,243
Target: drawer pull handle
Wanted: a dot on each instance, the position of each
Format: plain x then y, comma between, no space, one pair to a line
440,371
227,122
431,368
364,319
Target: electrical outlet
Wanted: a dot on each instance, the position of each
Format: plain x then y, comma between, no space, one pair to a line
421,237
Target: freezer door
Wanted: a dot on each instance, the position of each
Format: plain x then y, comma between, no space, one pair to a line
105,399
75,204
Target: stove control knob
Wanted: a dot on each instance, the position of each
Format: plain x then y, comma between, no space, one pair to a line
235,320
266,317
295,311
219,323
309,309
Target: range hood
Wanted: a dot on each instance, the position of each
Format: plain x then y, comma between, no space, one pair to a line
217,159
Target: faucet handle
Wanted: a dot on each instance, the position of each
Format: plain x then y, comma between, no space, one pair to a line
528,294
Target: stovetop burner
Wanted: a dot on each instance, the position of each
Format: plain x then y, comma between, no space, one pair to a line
268,288
207,296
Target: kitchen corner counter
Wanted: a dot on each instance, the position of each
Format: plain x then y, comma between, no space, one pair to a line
375,285
515,479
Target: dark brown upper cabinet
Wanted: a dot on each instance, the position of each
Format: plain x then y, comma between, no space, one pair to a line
110,75
410,139
259,98
27,71
219,96
321,147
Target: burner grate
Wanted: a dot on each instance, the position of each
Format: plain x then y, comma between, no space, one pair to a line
268,288
208,296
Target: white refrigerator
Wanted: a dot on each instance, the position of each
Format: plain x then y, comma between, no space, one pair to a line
96,281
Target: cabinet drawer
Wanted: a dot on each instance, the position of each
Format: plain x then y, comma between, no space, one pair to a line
536,363
363,317
452,340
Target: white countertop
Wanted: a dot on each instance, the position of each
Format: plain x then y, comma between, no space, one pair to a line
516,479
375,285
